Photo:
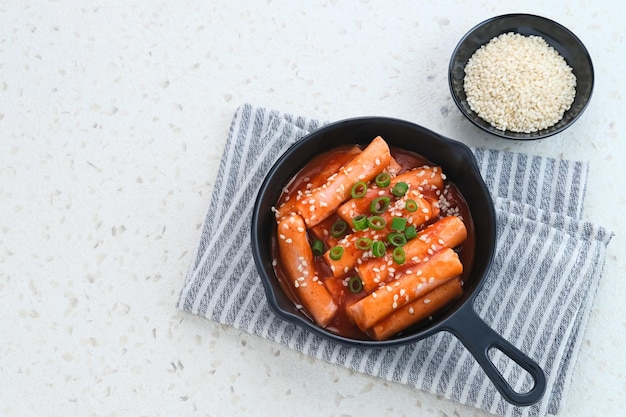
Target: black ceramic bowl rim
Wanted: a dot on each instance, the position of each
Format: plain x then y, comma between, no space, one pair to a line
459,164
556,35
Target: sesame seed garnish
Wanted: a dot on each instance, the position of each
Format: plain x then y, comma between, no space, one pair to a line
281,236
374,295
274,262
431,279
426,300
288,240
394,305
441,242
411,310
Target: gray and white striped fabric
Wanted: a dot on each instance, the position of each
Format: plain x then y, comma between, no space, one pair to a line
538,293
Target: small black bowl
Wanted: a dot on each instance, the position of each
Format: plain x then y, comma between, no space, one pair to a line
460,166
556,35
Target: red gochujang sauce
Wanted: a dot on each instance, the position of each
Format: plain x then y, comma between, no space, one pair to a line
450,200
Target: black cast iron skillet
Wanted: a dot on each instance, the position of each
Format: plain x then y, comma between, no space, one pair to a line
459,164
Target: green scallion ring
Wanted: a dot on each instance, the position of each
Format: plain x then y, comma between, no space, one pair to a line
336,253
355,285
379,205
359,222
364,243
400,189
399,256
376,222
410,205
383,179
378,249
398,223
338,228
410,232
317,247
396,239
359,190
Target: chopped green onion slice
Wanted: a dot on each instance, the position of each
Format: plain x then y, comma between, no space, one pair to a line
410,232
376,222
400,189
379,205
335,253
410,205
378,248
317,247
338,228
355,284
359,222
398,223
399,256
364,243
396,239
383,179
359,189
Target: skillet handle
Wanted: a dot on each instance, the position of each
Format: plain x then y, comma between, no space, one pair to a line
479,338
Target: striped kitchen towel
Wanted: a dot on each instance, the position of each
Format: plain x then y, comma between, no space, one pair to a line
537,295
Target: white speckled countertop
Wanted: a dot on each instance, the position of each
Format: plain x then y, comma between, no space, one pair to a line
113,117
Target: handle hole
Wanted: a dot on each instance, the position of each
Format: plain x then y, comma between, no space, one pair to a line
517,377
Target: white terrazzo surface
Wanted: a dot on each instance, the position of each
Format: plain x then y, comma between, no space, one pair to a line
113,117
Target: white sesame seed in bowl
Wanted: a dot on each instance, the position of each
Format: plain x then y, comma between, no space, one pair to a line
521,76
